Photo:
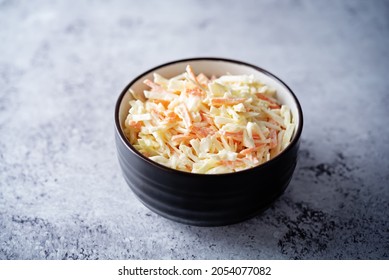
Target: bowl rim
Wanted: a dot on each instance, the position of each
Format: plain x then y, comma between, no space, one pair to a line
130,147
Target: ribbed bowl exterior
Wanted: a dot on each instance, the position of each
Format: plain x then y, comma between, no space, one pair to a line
206,200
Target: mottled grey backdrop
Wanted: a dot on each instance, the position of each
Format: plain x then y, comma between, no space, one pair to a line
63,64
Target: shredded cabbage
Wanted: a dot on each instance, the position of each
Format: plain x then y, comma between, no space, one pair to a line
219,125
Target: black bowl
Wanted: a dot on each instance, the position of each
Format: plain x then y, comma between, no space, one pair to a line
202,199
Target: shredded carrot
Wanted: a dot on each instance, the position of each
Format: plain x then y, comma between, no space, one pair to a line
202,132
165,103
182,138
195,92
226,101
272,103
207,118
134,124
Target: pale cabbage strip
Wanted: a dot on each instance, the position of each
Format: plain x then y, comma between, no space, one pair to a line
208,125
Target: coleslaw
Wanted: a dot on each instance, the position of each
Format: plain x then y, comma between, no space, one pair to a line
208,125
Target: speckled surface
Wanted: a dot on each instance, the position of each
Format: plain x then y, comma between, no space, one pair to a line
62,66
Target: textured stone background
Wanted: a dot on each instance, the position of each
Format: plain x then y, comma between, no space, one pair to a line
63,64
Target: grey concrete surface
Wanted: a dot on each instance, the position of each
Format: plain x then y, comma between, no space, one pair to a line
64,63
